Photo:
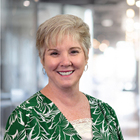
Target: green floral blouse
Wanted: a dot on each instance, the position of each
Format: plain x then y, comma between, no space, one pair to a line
39,119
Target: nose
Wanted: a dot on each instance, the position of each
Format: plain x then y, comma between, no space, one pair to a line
65,61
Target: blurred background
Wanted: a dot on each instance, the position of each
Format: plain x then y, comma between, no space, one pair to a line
113,73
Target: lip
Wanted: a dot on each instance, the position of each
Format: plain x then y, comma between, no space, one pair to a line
65,73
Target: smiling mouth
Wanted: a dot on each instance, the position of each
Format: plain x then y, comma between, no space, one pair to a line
66,73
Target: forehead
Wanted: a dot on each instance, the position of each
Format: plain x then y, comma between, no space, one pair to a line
66,39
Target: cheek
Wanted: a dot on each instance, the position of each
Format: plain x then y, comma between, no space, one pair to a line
50,64
80,63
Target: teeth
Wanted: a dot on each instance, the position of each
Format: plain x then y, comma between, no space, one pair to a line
65,73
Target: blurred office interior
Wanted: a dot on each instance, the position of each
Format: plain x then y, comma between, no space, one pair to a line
113,73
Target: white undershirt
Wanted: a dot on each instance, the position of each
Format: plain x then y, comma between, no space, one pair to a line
83,127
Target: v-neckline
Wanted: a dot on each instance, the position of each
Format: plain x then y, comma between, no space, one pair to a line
70,125
58,108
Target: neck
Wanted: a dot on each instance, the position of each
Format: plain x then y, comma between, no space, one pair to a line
67,96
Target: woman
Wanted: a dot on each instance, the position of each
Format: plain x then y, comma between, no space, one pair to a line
60,110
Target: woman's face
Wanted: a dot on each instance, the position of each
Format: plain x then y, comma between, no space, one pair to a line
64,63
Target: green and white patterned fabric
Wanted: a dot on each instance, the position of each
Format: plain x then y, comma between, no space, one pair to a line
38,118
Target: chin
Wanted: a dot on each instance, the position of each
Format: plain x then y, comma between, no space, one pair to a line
68,86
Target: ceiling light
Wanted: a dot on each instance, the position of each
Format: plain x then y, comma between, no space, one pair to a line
107,22
102,47
138,3
106,42
26,3
130,13
96,44
130,2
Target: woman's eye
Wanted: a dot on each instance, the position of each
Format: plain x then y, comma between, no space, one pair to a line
54,53
74,52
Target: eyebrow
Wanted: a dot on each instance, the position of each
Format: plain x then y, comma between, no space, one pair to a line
75,48
70,49
52,50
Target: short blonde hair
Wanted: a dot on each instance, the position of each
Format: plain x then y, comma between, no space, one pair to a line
55,28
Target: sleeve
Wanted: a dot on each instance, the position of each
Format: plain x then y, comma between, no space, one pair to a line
112,119
15,127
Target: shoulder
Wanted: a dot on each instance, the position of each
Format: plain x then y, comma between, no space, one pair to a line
30,102
21,115
104,107
31,107
100,107
102,112
35,102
